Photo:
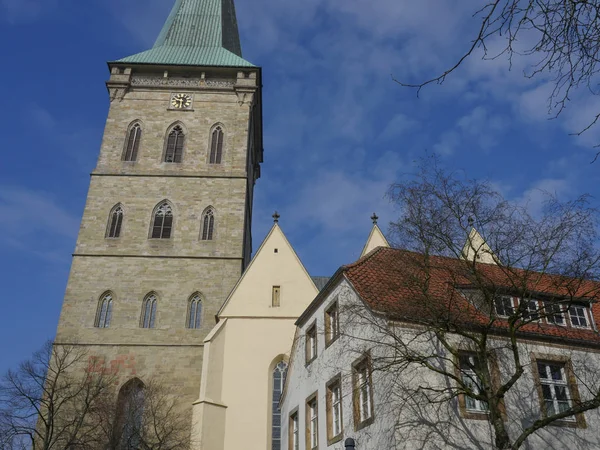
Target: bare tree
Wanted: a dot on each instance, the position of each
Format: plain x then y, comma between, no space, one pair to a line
63,398
469,317
52,402
147,417
562,36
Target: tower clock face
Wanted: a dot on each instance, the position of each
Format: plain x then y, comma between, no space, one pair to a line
181,101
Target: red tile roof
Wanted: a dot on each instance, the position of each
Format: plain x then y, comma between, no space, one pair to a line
409,286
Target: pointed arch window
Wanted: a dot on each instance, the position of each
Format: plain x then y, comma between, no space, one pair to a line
115,222
104,312
132,144
127,430
216,145
279,373
149,311
175,142
208,224
162,222
195,312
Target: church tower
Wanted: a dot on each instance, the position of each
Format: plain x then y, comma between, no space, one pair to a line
165,234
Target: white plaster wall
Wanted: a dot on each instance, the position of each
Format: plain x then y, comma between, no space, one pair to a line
404,418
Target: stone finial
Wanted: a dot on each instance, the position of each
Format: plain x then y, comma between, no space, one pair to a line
374,218
276,217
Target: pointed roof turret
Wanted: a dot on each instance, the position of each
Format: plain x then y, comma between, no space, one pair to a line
196,33
375,239
476,249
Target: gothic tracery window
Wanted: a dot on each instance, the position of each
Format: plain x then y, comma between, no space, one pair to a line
216,145
132,144
127,429
162,222
115,222
104,312
279,373
175,142
195,312
208,224
149,311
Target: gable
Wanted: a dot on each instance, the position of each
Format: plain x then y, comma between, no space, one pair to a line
274,265
375,239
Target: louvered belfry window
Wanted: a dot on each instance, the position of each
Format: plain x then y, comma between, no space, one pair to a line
175,143
163,222
116,220
208,225
216,146
133,143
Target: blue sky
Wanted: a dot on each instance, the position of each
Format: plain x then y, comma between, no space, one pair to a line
337,129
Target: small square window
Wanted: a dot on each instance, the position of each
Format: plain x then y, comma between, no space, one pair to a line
530,310
554,313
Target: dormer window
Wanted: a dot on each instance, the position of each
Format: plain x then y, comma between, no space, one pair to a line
580,316
504,306
554,313
530,310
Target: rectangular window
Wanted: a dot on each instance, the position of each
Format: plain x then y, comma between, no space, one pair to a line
311,343
504,306
469,365
334,411
276,297
312,423
294,432
531,310
363,393
554,313
555,390
579,316
332,324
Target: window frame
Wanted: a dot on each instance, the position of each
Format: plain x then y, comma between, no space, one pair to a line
332,333
152,299
330,409
207,225
504,306
469,413
357,392
550,308
294,432
219,152
587,312
137,139
276,297
310,343
197,299
109,298
527,313
312,420
183,133
578,420
171,228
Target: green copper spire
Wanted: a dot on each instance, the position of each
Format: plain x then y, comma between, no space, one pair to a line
197,33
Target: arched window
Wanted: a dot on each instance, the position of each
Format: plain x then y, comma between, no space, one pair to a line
127,430
195,312
149,311
104,312
216,145
279,373
163,221
115,222
132,144
208,224
175,142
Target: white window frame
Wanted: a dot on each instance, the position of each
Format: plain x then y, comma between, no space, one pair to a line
586,315
529,312
365,394
295,431
336,408
543,368
313,424
548,313
502,299
471,381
